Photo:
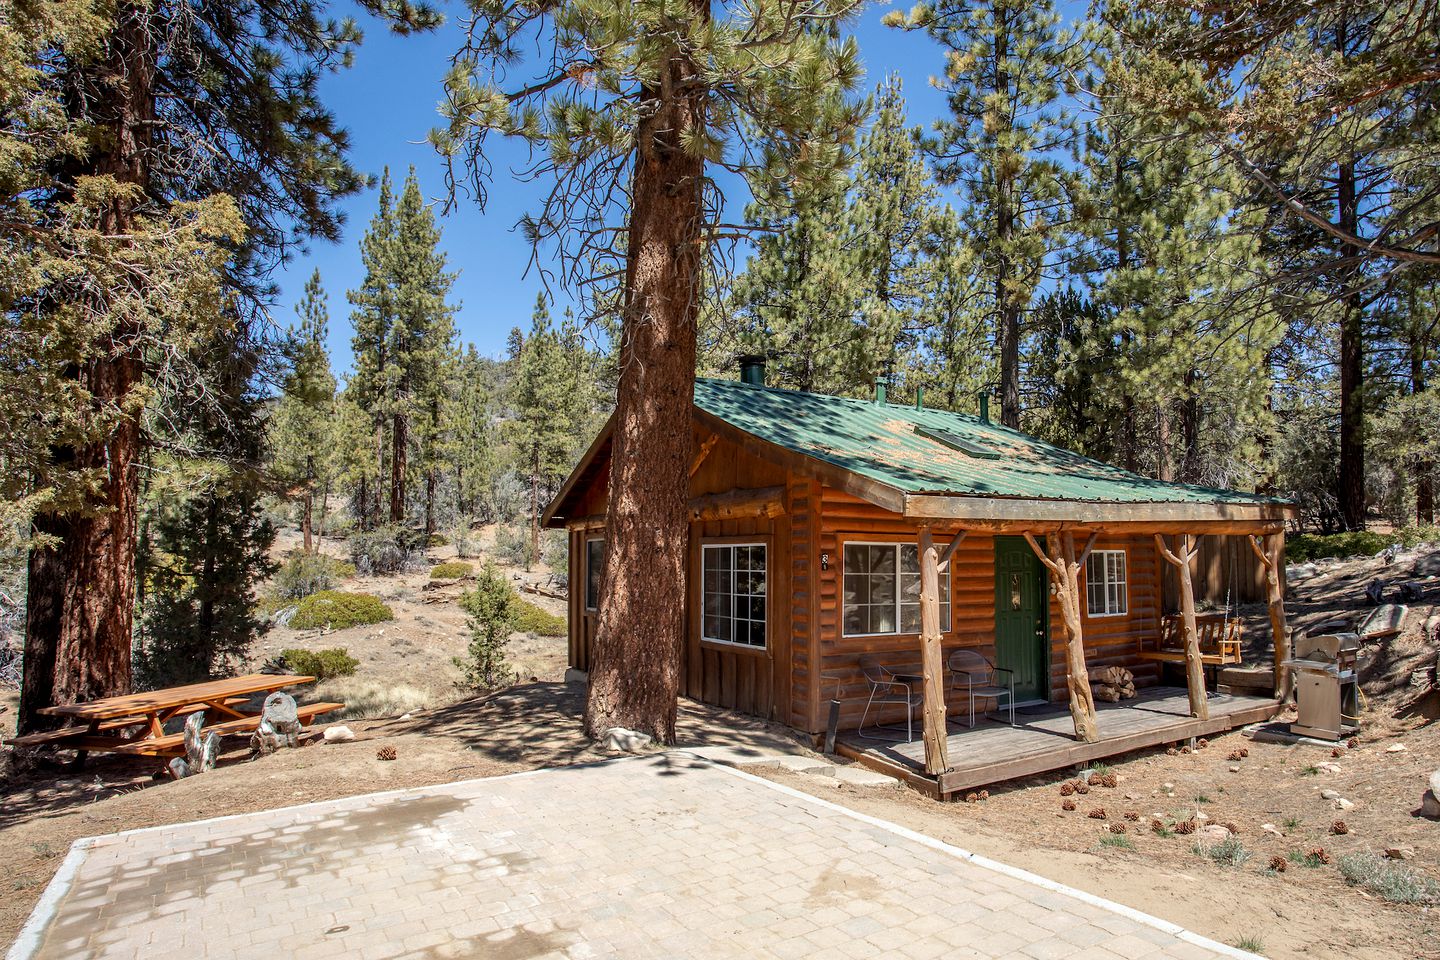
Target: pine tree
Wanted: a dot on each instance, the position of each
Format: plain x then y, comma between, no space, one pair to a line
1006,70
546,394
469,437
133,133
404,334
304,415
633,100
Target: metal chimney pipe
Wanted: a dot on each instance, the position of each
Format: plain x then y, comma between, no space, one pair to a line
752,369
984,408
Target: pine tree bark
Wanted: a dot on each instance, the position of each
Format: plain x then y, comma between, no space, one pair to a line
635,669
1008,310
399,441
1424,467
81,591
1351,493
307,516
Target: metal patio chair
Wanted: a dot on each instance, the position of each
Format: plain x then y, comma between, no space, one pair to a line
978,677
888,686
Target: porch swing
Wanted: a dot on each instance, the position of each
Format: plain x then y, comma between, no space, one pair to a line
1219,634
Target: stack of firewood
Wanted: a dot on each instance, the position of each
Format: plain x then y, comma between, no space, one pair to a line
1112,684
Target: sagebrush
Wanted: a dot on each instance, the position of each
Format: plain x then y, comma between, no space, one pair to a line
320,664
451,570
1388,880
304,574
530,618
337,610
384,550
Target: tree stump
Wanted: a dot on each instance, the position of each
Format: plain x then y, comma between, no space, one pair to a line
201,751
279,725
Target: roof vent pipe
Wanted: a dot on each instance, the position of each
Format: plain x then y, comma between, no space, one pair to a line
919,398
880,387
984,408
752,370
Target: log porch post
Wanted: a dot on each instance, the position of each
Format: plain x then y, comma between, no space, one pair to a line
1194,667
1275,598
1064,570
931,661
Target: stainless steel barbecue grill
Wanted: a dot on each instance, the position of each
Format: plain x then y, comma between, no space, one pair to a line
1325,691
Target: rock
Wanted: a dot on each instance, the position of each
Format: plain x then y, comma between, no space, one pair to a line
1214,832
1271,829
1296,572
1375,591
1403,852
1395,748
1435,783
624,741
1201,816
339,734
576,676
1234,768
1429,806
1342,804
404,716
1330,794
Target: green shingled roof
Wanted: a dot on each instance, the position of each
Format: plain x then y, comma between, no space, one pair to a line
879,441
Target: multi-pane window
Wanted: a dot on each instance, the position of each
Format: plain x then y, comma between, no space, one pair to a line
1105,583
594,571
882,589
734,586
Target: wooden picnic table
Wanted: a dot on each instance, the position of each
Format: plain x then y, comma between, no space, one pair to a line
135,723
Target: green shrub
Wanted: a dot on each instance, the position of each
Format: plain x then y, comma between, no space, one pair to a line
512,544
1390,881
451,570
492,607
388,549
338,610
530,618
320,664
1316,546
303,574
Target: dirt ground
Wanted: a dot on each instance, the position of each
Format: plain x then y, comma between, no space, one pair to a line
1305,911
409,661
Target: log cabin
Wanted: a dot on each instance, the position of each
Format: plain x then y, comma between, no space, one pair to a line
831,536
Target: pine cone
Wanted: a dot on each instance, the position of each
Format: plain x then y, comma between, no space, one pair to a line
1132,816
1201,744
1185,827
1185,751
1277,863
971,797
1244,751
1097,814
1157,825
1353,742
1109,780
1319,854
1067,805
1082,787
1067,788
1335,752
1117,828
1339,828
1171,751
984,794
385,753
1235,755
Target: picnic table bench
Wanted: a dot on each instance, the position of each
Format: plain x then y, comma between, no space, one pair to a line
134,724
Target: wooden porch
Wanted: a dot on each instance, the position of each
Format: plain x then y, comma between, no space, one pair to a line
1039,743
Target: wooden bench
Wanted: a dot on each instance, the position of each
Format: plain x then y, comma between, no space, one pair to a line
1219,640
174,744
118,723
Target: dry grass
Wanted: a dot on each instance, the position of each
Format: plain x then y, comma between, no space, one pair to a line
371,700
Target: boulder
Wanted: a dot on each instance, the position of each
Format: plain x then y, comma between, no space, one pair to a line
339,734
1402,852
1213,832
1329,794
624,741
1429,805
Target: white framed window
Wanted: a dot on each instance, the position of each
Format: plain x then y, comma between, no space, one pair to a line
594,571
1105,584
733,578
882,590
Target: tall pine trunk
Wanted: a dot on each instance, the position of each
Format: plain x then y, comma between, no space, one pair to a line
399,440
1425,467
1009,310
81,591
635,669
1351,492
307,517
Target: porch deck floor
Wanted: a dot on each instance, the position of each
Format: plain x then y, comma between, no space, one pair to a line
1039,743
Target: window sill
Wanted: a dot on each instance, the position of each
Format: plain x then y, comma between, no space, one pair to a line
729,647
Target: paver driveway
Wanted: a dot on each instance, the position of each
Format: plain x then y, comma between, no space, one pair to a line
665,856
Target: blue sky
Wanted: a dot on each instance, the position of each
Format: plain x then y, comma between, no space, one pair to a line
388,101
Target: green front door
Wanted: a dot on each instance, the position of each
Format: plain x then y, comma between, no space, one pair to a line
1020,608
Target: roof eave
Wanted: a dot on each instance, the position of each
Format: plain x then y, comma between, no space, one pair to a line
1018,509
553,517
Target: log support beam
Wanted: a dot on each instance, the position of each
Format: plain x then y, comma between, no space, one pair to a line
1194,667
1271,560
1064,566
931,659
738,504
950,550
